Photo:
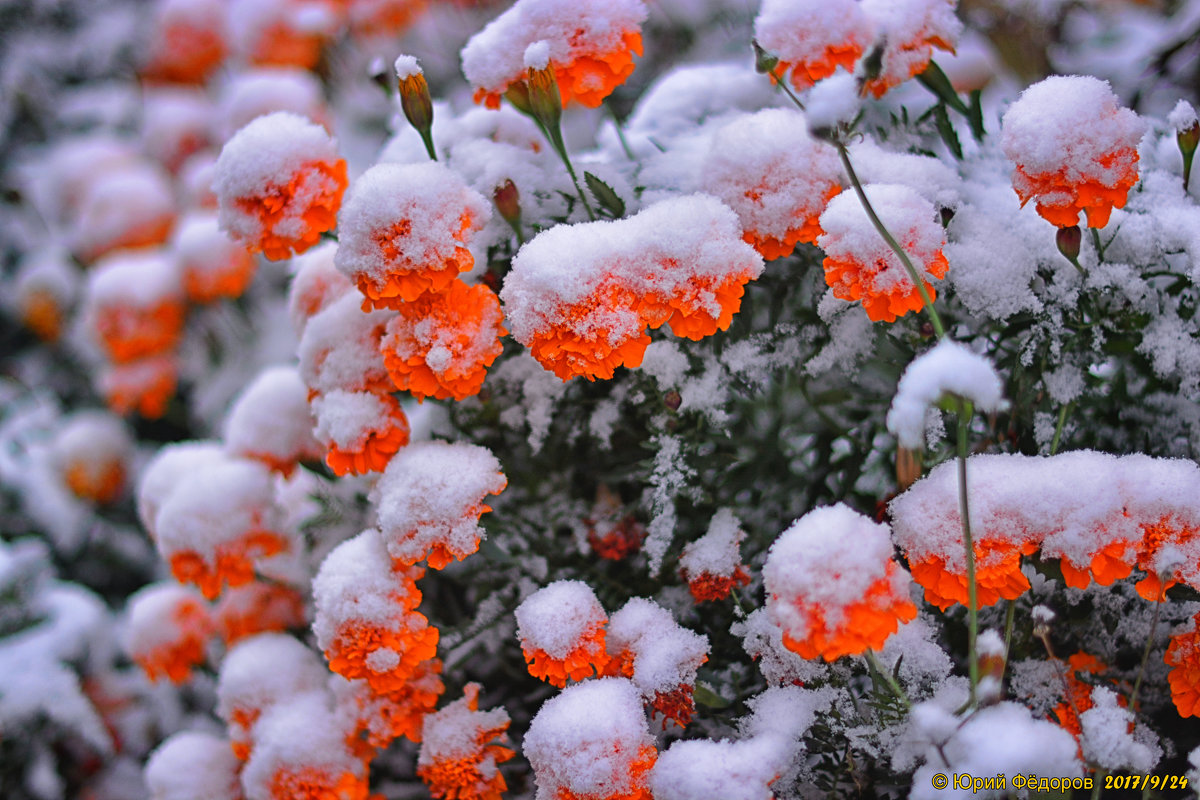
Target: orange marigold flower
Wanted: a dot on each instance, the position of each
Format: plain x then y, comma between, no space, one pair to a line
365,619
362,431
171,466
833,587
258,673
258,607
909,30
134,305
46,285
712,564
590,44
191,764
339,349
122,206
998,574
316,283
1075,149
282,33
215,526
213,266
189,41
776,178
441,344
561,628
405,231
1183,657
90,451
613,534
430,498
270,421
169,628
145,386
581,296
1160,554
614,743
382,718
459,759
1080,693
859,264
279,185
813,38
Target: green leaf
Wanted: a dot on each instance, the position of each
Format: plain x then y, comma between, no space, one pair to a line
604,193
942,120
707,697
936,81
975,115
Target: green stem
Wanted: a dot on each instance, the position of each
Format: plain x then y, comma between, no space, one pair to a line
1058,429
560,147
427,138
620,131
1137,685
913,275
1098,786
886,674
783,85
1099,247
1010,616
964,421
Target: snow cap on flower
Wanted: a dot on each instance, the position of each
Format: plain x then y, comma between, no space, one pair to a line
461,748
364,618
590,44
176,123
270,421
265,90
441,344
169,468
257,607
1075,149
47,283
561,628
813,37
948,368
218,522
91,451
909,30
430,498
213,265
189,40
134,305
192,765
316,282
301,751
286,33
340,348
859,264
659,655
168,630
361,431
591,742
258,673
126,206
279,182
712,564
581,296
700,769
145,385
775,177
404,231
832,584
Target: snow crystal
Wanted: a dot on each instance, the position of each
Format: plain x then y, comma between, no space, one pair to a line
407,67
924,664
762,639
948,368
537,55
1182,117
669,480
192,765
556,617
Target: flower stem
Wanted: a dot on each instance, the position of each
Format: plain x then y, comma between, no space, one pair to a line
1137,684
913,275
783,85
560,147
620,131
964,423
1058,429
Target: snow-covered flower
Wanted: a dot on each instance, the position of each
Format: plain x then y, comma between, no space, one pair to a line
212,265
361,431
144,386
135,305
712,565
192,765
270,421
257,607
1183,657
909,30
561,628
461,748
169,629
188,41
812,38
382,717
92,450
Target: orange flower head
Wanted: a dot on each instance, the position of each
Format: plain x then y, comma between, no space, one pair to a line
774,176
590,45
382,718
1075,149
145,386
282,33
339,349
214,266
430,498
134,305
212,773
124,206
813,38
46,285
462,748
91,451
316,283
441,344
259,672
910,30
607,758
257,607
365,619
1183,657
188,43
561,628
279,185
659,655
270,421
859,264
318,765
171,466
1080,699
833,587
372,18
1161,555
612,533
405,231
362,431
998,575
216,525
581,296
712,564
169,629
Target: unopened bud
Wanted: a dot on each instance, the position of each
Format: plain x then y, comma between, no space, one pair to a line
544,98
1068,241
673,400
908,467
508,202
1188,139
518,94
764,62
415,99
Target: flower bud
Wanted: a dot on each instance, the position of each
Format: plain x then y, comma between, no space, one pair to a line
415,100
1187,139
508,202
544,98
908,467
764,62
1068,241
